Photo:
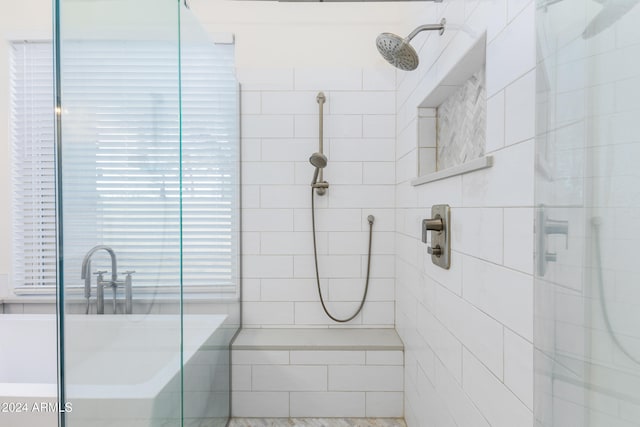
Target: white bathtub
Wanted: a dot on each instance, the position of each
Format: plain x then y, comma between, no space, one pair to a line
120,370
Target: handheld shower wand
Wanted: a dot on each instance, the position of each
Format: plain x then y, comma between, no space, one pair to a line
318,160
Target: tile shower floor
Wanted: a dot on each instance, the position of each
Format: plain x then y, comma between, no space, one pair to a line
317,422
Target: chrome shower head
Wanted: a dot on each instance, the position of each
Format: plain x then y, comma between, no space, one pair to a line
318,160
399,52
611,12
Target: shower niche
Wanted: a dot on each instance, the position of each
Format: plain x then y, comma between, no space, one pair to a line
451,121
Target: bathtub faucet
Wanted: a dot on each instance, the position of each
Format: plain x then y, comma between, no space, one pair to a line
114,283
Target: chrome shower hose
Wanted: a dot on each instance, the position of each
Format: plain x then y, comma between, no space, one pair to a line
370,218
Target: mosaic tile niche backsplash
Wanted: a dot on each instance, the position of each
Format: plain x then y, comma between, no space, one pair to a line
461,123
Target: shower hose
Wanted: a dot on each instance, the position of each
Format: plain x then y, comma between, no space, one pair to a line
597,222
315,257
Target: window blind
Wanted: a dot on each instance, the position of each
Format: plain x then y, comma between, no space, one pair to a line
124,156
33,169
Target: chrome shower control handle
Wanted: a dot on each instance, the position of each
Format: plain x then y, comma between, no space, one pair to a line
554,226
433,224
435,251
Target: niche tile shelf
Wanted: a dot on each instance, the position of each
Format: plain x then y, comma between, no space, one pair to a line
474,165
452,120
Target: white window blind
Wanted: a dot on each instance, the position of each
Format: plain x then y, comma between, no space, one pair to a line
122,162
33,169
211,167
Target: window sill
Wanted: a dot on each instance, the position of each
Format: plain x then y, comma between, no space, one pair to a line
158,299
30,299
474,165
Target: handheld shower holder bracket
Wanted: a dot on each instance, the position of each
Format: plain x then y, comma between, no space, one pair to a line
321,187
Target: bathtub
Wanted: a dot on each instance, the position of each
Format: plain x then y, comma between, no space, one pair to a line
120,370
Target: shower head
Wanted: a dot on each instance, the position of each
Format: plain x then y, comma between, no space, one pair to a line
318,160
611,12
399,52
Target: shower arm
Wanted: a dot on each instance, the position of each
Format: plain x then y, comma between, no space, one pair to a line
426,27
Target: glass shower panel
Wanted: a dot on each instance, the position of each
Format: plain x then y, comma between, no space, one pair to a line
120,173
587,299
210,220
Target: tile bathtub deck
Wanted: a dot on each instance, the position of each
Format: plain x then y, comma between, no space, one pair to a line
317,422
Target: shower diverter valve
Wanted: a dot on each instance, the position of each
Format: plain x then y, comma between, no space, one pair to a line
440,227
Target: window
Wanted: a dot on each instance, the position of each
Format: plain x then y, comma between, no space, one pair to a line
123,130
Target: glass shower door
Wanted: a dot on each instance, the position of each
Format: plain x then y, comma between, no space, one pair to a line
587,317
148,163
119,165
210,221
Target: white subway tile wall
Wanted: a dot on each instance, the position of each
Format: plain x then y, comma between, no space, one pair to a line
468,331
279,133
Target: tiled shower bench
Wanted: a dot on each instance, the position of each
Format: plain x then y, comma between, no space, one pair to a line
317,373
